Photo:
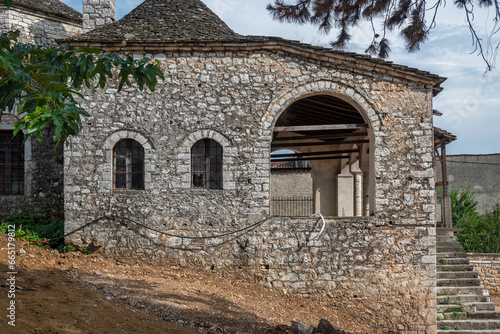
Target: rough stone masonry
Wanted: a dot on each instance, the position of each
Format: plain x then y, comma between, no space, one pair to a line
230,89
384,263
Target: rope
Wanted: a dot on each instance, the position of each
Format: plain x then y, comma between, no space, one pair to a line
121,220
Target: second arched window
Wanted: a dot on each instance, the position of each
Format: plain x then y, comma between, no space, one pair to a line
206,164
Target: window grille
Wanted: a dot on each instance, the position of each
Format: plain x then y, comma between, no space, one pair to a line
206,164
128,165
11,163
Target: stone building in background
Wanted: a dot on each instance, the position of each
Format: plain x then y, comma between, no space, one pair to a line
478,172
31,176
192,159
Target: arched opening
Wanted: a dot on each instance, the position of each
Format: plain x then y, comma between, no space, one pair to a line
330,135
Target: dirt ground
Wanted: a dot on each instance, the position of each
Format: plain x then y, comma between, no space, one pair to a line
76,293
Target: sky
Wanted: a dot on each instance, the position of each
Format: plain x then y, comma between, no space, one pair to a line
470,101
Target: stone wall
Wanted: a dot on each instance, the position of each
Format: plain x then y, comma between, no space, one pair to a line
43,163
43,177
291,183
488,267
36,28
386,264
479,172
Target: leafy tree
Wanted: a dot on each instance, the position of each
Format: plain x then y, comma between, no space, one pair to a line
463,204
409,17
479,233
42,82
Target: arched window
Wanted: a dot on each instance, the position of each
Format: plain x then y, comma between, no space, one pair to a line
206,164
128,167
11,163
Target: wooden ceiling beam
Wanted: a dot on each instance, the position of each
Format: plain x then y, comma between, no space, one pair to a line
339,142
322,137
302,155
322,127
316,158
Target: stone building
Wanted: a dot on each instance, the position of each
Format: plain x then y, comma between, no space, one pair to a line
31,176
478,172
192,160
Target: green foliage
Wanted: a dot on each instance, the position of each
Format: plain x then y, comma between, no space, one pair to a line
463,205
480,233
33,226
413,19
66,248
43,82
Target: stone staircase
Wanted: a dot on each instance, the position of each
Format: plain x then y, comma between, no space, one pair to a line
464,306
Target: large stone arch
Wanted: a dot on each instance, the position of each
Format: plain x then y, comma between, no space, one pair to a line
362,204
337,89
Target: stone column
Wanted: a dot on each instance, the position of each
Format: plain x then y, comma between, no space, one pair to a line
358,185
325,186
366,193
345,184
358,194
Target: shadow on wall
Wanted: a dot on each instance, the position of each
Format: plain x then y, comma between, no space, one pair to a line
45,32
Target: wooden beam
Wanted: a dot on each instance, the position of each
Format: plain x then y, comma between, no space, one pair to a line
314,158
302,155
321,127
321,137
319,144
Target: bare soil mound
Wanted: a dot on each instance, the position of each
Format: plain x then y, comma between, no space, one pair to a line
77,293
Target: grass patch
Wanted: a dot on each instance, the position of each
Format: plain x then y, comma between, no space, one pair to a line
454,310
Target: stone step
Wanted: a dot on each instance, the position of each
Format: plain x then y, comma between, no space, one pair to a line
445,261
454,267
453,291
446,238
489,331
450,308
478,306
468,324
484,315
451,255
457,274
452,316
471,331
458,282
450,243
446,249
462,299
443,231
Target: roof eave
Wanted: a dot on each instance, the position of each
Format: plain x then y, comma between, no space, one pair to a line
47,12
251,43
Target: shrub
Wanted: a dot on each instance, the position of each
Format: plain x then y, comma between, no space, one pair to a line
480,233
33,226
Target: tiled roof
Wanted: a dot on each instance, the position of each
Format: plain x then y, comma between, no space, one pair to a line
443,134
51,8
164,21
